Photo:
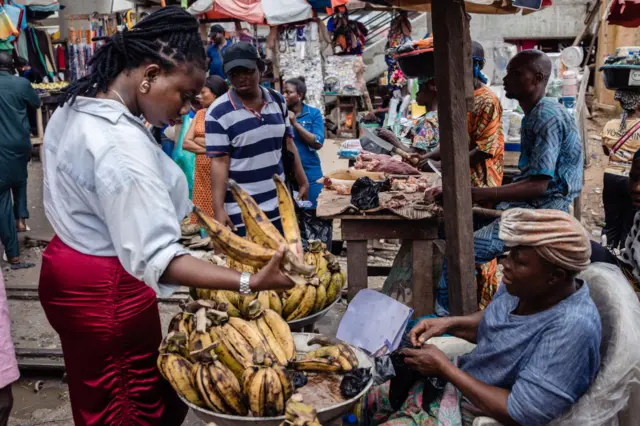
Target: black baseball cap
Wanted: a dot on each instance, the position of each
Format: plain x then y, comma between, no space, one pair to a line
241,54
217,28
477,51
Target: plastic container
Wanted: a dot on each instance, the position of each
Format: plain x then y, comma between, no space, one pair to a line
417,63
569,83
625,77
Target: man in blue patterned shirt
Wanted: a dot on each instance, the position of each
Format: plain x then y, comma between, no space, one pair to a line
551,164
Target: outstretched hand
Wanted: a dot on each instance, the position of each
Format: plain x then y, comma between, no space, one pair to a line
270,276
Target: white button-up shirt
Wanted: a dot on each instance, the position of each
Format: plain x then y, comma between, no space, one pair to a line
109,190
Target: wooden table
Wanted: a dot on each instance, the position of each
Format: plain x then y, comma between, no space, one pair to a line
357,229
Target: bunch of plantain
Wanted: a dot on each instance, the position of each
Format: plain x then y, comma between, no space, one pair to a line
267,386
300,301
298,413
263,237
332,277
275,331
332,356
177,369
218,387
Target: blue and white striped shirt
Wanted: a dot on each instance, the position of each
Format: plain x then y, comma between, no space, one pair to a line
253,141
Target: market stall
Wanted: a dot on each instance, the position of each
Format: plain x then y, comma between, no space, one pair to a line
452,53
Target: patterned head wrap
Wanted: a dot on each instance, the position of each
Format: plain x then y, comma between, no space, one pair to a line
557,236
630,101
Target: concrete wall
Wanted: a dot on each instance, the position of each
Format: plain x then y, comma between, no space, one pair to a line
565,19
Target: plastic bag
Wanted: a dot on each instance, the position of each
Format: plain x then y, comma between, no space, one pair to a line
364,193
314,228
354,381
186,160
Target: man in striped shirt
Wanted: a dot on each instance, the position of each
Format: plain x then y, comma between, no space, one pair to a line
245,129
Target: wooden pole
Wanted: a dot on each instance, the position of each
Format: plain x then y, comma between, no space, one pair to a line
452,49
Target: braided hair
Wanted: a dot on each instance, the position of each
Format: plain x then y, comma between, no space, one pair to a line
168,37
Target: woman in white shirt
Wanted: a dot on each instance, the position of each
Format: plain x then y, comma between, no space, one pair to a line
115,201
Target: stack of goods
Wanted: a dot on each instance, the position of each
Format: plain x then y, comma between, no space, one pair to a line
342,69
622,70
239,367
318,276
47,88
299,55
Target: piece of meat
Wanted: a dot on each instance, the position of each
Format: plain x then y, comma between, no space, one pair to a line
371,166
394,167
327,182
342,189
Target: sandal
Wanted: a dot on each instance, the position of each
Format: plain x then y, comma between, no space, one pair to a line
21,265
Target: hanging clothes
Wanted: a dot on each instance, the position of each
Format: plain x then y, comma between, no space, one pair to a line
348,36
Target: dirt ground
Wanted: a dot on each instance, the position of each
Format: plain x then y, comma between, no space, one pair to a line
50,404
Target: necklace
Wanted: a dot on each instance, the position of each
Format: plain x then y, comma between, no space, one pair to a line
119,97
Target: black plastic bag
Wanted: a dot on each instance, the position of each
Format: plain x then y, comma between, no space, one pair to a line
314,228
298,379
364,193
354,381
384,369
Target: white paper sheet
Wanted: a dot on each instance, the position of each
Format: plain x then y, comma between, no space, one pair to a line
374,320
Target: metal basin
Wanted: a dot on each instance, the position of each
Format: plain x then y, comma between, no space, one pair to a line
326,414
299,324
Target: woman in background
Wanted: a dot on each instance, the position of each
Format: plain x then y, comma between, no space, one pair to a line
620,140
308,135
214,87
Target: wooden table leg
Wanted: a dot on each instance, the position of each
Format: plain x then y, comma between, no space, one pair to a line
356,267
422,277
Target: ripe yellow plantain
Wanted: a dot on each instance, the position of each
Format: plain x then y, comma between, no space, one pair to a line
263,297
274,397
227,354
282,333
285,381
288,218
325,352
321,299
274,345
178,372
275,304
335,288
228,387
238,342
222,297
306,304
248,332
207,389
294,299
245,251
316,364
325,278
258,225
255,393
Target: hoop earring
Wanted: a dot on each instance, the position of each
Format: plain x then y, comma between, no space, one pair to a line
145,86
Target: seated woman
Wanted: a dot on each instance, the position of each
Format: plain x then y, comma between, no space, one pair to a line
308,135
538,341
425,134
214,87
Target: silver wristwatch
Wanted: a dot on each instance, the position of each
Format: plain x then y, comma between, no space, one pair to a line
244,283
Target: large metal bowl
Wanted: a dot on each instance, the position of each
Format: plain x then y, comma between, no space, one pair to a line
299,324
325,415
